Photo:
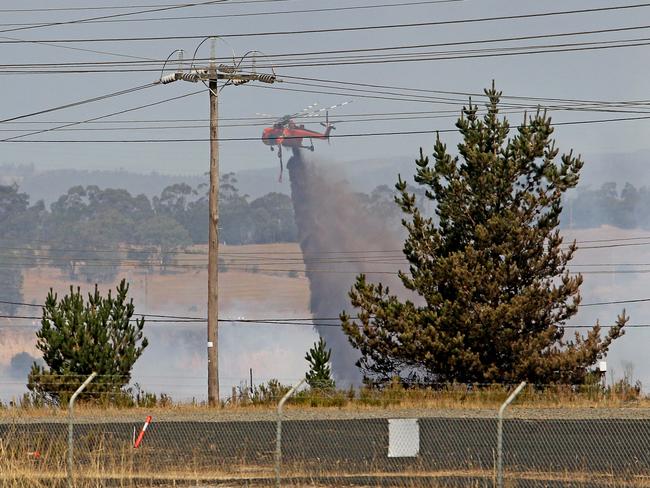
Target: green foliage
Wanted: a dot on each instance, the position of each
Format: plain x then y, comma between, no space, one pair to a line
11,286
319,376
79,337
131,397
266,219
628,208
269,393
490,273
18,224
272,219
13,207
109,218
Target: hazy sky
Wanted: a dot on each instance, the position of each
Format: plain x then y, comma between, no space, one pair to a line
615,74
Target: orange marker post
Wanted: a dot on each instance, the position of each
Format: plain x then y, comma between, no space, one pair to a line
138,441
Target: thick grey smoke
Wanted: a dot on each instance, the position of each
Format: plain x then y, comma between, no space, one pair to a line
337,236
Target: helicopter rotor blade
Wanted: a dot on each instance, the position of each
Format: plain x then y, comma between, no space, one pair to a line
308,109
318,112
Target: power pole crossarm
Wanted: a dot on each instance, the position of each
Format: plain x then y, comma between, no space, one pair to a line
224,72
210,76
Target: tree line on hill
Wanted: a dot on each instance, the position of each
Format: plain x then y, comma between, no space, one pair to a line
88,231
627,208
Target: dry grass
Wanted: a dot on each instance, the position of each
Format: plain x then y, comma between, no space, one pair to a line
186,289
37,463
18,470
393,399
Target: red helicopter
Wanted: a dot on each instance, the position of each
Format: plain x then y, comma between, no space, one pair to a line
286,132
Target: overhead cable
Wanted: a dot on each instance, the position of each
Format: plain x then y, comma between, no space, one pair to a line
353,28
80,102
108,19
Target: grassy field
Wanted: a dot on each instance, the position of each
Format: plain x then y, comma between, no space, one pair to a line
180,292
187,289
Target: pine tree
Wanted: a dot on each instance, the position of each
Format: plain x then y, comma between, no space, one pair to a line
78,338
319,375
490,274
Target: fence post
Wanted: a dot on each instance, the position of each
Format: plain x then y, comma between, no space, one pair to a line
278,433
70,426
502,410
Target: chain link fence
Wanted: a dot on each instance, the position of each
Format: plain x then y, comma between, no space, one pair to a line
350,438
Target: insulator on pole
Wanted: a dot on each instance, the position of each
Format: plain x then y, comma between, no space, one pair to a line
193,77
239,81
266,78
168,79
225,68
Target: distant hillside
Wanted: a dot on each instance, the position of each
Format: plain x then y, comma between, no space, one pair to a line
50,185
362,175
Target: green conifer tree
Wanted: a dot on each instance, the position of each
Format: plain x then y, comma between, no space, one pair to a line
79,337
492,289
319,375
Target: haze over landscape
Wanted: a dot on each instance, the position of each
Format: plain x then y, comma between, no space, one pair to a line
152,148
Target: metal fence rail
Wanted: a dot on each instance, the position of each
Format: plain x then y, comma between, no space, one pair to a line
363,445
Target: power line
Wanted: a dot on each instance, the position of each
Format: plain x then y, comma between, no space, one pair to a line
121,7
198,253
351,29
590,241
67,127
583,105
254,121
501,52
79,49
460,43
275,322
333,136
395,258
248,139
380,92
604,106
307,60
311,54
382,59
102,20
81,102
608,264
609,246
231,261
132,250
265,252
615,302
112,16
465,94
119,112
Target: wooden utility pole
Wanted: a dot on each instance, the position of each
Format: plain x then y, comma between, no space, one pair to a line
213,245
210,76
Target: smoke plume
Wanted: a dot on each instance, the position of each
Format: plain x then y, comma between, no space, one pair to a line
336,236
